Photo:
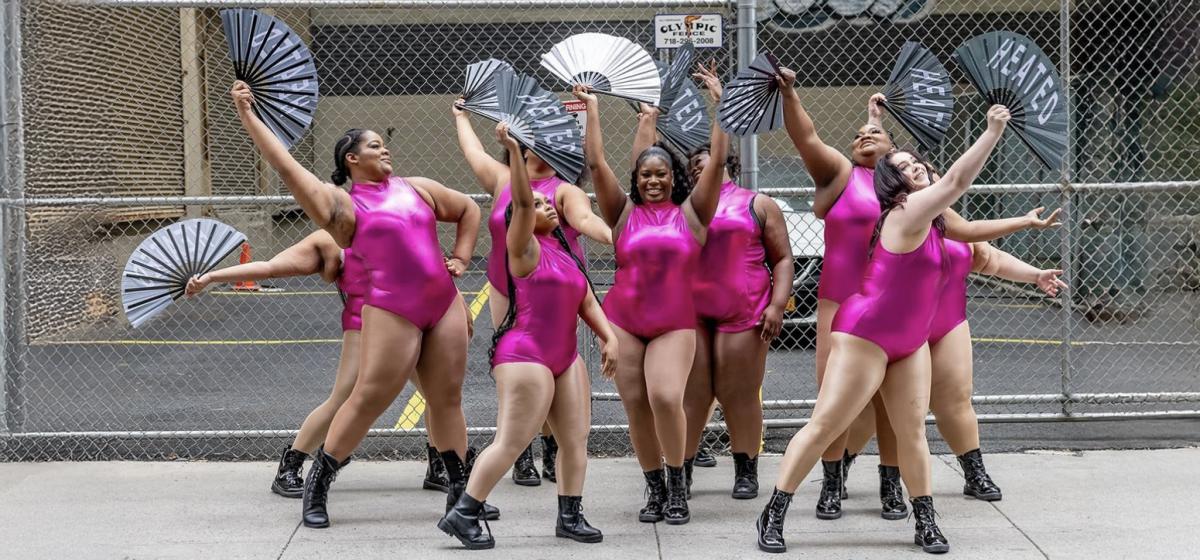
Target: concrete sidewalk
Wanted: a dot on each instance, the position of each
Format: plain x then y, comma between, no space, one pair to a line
1099,504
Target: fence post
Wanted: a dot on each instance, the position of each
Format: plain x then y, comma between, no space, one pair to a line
196,176
12,320
1065,248
747,46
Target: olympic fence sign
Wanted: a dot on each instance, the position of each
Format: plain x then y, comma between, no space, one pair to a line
671,31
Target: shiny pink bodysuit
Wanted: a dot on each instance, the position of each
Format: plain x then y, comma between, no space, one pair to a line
733,284
848,228
548,186
548,302
952,302
657,258
894,308
353,284
396,238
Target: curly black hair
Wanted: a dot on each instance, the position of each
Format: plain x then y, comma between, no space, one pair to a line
681,183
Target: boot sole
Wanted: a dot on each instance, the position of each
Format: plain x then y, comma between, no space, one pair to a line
706,465
677,520
447,528
435,486
589,540
745,495
829,516
324,525
984,497
527,481
892,515
287,493
646,518
765,547
932,548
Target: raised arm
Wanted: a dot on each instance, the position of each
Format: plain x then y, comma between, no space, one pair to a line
302,259
826,165
779,259
926,204
577,210
959,229
454,207
875,110
986,259
326,205
647,131
522,251
707,190
611,198
593,315
489,173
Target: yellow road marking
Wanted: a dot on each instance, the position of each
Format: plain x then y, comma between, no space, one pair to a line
415,408
283,292
190,342
1030,341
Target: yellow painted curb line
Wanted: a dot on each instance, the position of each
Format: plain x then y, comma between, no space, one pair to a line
415,407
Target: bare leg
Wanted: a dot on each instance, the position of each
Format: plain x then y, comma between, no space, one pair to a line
862,430
855,370
905,393
571,417
524,391
389,347
668,362
698,395
950,396
442,367
741,360
631,385
826,309
313,430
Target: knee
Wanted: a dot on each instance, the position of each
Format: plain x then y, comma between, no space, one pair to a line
951,400
667,400
444,398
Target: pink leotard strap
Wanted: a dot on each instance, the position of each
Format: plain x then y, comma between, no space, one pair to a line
495,267
548,302
733,285
848,228
898,298
952,303
657,257
396,238
353,284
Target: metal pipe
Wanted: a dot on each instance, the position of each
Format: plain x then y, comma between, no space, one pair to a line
12,230
1064,202
1024,418
1049,398
747,47
1034,188
438,4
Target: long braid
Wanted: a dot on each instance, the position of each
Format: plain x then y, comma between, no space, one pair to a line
562,240
510,316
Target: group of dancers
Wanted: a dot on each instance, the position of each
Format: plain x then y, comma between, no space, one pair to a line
703,275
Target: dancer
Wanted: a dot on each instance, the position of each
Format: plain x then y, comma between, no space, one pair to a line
950,353
845,200
741,290
879,339
535,360
575,212
658,229
409,321
319,254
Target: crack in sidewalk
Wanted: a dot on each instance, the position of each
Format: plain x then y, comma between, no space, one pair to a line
289,541
995,506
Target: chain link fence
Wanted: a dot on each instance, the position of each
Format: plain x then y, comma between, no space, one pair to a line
117,121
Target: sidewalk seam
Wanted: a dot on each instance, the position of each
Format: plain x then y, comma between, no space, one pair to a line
289,541
657,542
996,507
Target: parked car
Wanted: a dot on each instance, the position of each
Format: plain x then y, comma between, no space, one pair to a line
807,236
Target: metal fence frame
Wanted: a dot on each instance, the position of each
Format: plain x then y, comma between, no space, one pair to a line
13,205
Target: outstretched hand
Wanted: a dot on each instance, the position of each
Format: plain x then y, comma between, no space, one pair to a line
504,138
583,93
1048,282
1037,222
195,285
243,98
708,75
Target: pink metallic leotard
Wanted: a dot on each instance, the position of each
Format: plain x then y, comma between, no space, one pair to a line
657,258
848,227
733,285
894,308
396,239
952,302
353,284
548,302
495,267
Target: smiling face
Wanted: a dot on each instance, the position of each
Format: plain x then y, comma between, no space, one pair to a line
870,142
913,169
371,161
696,165
545,217
654,180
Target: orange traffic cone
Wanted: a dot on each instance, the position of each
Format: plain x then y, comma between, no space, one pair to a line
248,285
